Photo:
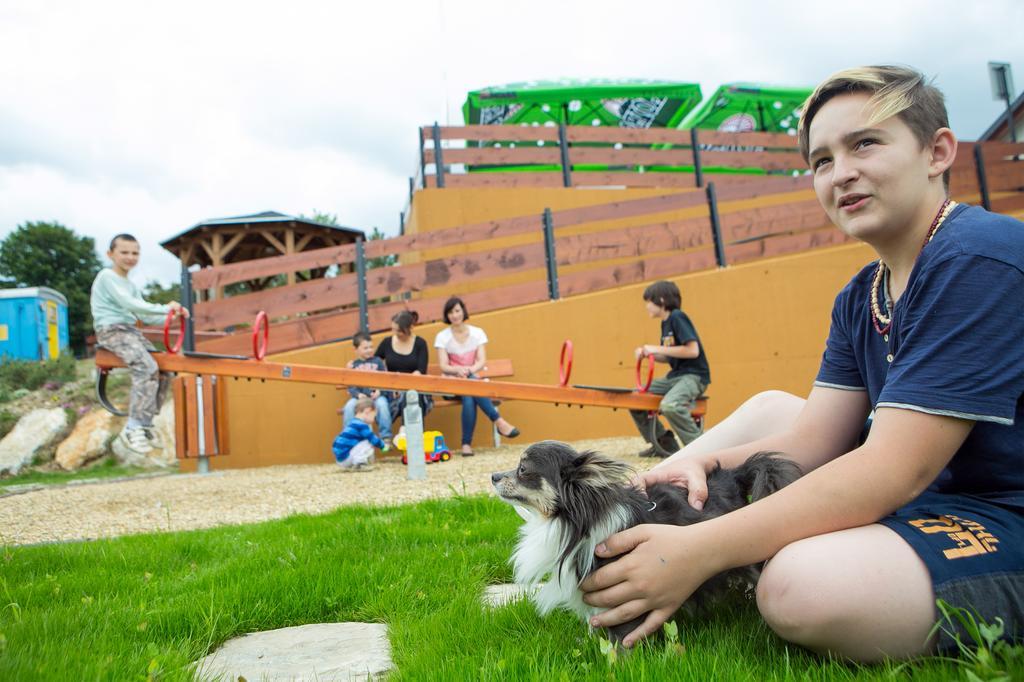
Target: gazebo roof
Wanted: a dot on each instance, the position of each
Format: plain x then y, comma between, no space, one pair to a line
257,220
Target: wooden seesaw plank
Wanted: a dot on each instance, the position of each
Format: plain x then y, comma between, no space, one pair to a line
313,374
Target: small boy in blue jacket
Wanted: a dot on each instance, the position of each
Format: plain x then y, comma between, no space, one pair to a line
353,448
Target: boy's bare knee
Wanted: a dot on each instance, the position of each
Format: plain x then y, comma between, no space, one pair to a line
789,596
771,399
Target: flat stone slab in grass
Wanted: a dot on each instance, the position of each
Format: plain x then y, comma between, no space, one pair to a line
500,595
322,651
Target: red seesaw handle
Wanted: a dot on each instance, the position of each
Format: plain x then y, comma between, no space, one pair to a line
640,386
565,363
259,346
173,350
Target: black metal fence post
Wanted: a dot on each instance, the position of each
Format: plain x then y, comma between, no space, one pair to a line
412,189
979,168
423,164
549,254
364,313
698,175
563,144
716,227
187,303
401,223
438,161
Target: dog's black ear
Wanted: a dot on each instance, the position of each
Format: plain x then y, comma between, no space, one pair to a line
764,473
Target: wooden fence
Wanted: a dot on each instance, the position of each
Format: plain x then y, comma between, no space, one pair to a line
582,156
644,245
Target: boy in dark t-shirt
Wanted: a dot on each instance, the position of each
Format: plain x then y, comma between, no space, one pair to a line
688,375
930,506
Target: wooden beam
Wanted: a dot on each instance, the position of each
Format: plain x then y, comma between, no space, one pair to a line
313,374
274,241
289,249
232,243
208,249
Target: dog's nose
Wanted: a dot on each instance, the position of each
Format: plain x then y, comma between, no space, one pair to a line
495,477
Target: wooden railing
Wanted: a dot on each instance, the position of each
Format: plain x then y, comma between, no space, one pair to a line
564,156
649,241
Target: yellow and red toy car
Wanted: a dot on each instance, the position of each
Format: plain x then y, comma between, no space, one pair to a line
434,447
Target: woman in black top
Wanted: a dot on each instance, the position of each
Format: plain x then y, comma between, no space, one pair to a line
405,352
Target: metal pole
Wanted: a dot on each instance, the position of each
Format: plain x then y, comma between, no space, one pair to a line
401,223
716,227
549,255
979,168
364,313
187,303
563,143
203,463
412,415
423,163
698,175
438,161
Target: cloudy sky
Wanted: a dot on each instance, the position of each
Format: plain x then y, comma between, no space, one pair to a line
148,118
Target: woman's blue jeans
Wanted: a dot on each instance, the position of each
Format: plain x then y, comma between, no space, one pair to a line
469,405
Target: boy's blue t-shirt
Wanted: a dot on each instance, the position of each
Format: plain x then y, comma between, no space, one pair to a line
677,330
355,432
956,348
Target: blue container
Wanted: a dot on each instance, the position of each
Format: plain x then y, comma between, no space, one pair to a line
33,324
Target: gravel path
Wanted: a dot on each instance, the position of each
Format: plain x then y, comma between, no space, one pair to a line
188,501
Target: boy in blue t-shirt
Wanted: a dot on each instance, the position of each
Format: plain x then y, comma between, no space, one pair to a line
928,338
688,374
353,447
367,362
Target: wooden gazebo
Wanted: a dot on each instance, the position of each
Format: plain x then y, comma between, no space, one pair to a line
262,235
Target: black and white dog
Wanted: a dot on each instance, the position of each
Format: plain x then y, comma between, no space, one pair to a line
573,501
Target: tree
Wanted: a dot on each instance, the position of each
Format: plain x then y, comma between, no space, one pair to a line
380,261
155,292
50,255
371,263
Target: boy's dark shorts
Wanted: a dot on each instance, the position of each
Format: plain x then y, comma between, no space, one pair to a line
974,551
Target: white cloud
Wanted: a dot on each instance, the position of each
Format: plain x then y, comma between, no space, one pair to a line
128,116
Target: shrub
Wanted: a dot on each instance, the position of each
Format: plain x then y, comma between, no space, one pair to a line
30,375
7,421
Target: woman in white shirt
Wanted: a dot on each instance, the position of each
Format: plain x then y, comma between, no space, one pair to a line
461,353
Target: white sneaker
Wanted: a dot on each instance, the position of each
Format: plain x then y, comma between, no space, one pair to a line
153,437
135,440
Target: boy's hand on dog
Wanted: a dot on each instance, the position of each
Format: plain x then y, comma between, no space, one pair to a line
682,473
660,567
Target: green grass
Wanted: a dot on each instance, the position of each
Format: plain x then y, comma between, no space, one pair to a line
105,468
145,606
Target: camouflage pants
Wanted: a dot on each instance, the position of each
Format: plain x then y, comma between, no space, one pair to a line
149,386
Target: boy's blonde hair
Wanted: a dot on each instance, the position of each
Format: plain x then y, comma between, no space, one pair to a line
895,91
364,403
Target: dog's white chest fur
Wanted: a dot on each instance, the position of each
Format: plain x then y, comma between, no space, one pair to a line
541,542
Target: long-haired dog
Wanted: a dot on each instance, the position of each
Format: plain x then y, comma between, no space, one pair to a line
573,501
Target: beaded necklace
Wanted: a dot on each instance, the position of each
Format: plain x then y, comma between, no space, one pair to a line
881,321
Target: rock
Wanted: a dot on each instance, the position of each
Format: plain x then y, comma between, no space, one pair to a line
88,440
33,431
500,595
163,423
323,651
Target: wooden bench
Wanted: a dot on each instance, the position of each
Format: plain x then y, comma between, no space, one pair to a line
494,369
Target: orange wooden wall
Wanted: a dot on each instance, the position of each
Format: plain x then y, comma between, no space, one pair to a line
763,325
